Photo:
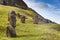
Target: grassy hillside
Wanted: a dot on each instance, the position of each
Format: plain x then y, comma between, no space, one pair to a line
28,31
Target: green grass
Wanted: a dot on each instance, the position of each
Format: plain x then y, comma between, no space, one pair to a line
27,31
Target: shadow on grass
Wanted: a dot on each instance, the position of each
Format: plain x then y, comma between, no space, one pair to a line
57,28
28,35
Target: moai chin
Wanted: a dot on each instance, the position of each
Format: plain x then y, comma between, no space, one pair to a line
23,18
12,18
36,19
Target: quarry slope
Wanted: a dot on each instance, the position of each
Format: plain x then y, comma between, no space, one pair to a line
27,31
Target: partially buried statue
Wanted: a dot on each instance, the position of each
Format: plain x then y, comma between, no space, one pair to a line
10,29
12,18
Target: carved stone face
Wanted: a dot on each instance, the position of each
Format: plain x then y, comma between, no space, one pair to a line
12,13
12,18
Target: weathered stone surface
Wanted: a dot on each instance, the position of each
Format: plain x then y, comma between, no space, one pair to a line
47,21
21,3
12,18
23,18
10,31
36,19
17,3
4,3
18,15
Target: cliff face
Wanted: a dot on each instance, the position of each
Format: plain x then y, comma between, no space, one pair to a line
41,18
22,4
17,3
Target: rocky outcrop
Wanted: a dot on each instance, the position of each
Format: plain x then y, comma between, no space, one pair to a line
22,4
41,18
16,3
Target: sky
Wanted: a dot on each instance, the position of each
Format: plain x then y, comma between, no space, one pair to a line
49,9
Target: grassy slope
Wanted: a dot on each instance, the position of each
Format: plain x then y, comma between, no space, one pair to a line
27,31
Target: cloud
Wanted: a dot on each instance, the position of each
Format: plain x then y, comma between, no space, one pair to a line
57,0
32,3
46,10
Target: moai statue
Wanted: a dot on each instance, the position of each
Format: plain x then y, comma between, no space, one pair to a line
36,19
18,15
23,18
12,18
46,21
10,31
